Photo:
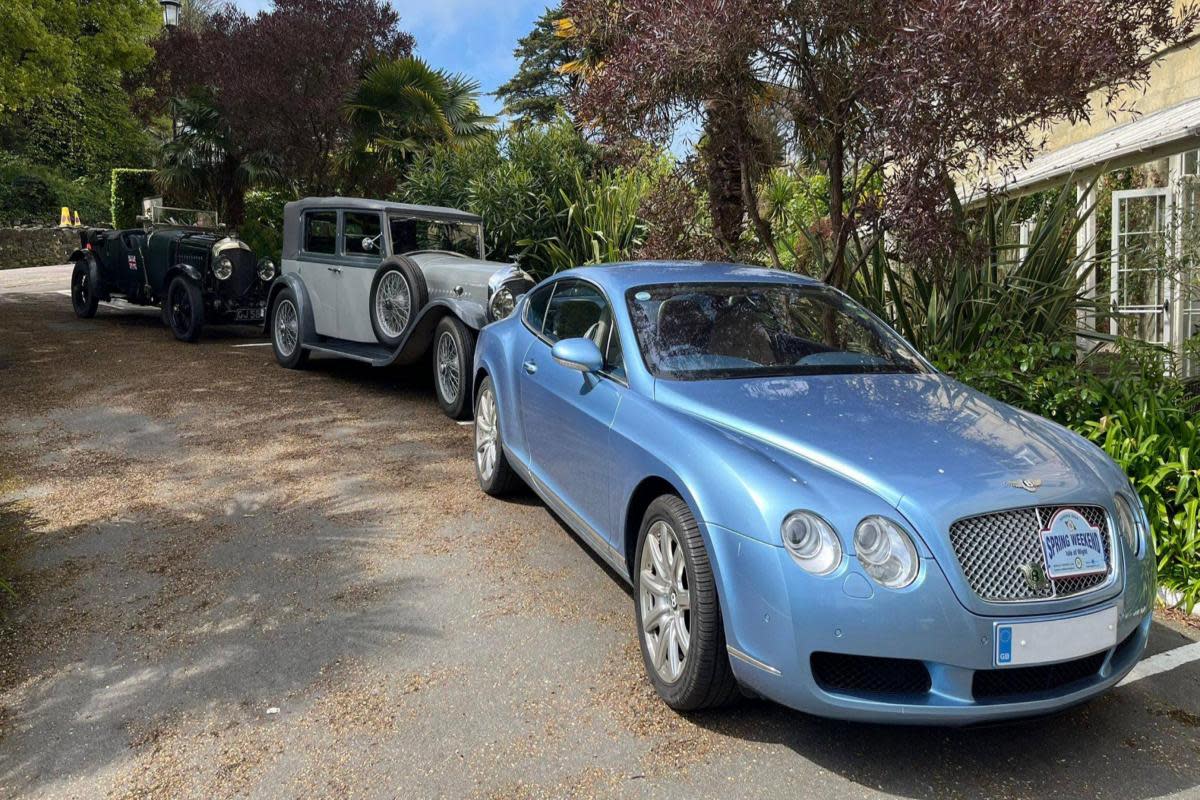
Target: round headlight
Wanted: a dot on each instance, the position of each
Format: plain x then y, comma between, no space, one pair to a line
886,552
223,268
503,302
266,269
1129,522
812,542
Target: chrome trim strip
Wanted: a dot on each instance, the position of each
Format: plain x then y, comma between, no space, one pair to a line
751,660
593,539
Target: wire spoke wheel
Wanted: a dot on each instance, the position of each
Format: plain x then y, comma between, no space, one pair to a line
181,308
487,434
287,327
393,304
666,601
449,372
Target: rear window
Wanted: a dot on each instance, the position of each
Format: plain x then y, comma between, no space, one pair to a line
320,232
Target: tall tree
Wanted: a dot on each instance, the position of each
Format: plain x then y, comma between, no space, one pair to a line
538,90
48,46
279,79
207,163
402,107
915,90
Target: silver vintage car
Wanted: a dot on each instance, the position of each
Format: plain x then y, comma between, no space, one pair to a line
386,283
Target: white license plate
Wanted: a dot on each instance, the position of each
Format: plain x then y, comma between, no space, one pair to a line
1024,643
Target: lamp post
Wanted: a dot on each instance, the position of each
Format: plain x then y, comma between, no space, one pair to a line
170,9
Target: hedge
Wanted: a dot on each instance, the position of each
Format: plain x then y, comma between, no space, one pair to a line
129,188
33,194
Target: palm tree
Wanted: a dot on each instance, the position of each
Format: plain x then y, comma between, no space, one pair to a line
403,107
204,162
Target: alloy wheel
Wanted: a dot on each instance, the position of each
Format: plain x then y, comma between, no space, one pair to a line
393,304
666,601
487,434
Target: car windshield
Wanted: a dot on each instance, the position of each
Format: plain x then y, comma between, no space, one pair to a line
414,233
726,330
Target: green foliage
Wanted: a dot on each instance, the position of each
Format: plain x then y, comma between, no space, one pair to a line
403,107
595,221
989,291
48,46
536,93
263,225
503,178
129,188
35,194
87,136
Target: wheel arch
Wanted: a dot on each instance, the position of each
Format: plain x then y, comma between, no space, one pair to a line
187,270
291,280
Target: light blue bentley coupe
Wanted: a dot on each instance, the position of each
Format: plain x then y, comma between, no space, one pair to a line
805,508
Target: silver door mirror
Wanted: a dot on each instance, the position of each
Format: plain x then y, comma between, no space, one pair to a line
368,244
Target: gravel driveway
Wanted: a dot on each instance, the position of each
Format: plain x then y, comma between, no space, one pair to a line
237,580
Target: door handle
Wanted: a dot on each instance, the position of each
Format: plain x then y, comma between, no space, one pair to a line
530,367
335,269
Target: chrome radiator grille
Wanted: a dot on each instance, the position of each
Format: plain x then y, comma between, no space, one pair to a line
991,547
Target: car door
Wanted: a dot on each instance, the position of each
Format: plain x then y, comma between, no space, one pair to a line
566,415
319,267
359,259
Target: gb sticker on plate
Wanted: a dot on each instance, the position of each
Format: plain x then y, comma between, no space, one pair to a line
1072,546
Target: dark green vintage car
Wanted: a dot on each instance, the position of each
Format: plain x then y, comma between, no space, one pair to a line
196,274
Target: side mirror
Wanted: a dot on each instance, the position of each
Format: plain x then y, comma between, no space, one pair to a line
578,354
368,244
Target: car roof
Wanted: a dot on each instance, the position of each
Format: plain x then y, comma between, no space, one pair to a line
367,204
622,276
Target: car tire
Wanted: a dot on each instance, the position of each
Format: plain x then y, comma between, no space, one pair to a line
185,309
397,281
496,475
285,329
689,671
453,357
85,295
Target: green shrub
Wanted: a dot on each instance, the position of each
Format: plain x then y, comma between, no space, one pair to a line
263,225
35,194
505,179
129,188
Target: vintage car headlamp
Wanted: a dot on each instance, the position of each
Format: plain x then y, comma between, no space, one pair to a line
502,303
266,269
1129,522
886,552
812,542
223,268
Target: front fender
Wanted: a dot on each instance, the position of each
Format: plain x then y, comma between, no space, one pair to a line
291,280
93,267
187,270
472,314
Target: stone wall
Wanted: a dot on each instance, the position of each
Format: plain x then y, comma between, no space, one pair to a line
36,247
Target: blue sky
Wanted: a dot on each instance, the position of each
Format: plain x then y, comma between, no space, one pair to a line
475,37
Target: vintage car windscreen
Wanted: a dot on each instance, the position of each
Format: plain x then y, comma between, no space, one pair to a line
412,233
727,330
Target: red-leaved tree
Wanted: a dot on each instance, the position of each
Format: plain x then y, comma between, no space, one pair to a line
279,79
907,92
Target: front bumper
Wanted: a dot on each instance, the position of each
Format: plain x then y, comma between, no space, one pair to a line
777,617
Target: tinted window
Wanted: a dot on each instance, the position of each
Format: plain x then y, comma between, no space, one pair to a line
578,309
320,232
358,225
536,311
696,331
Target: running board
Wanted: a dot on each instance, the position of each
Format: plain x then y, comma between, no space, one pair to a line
374,354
